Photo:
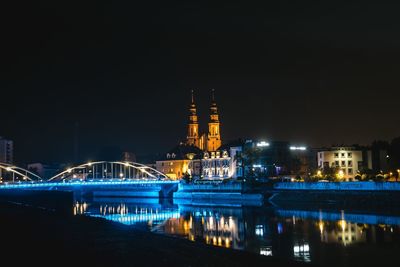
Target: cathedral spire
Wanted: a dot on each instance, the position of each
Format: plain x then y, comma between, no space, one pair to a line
214,108
214,135
193,125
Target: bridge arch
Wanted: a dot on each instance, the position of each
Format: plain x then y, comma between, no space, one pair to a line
14,173
110,170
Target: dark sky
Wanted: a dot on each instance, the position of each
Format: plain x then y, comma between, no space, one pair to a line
312,72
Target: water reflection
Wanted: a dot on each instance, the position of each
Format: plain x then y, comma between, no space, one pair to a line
330,238
126,213
216,226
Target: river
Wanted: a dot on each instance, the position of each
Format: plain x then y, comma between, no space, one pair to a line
326,237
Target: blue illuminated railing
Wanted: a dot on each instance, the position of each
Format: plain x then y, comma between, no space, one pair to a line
27,185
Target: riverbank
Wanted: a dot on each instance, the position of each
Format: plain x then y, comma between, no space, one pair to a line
38,236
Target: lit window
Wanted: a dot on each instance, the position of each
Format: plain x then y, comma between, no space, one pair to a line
350,163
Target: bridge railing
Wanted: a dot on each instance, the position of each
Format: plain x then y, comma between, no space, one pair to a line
32,185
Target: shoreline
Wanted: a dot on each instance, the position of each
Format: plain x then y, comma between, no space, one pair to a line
38,236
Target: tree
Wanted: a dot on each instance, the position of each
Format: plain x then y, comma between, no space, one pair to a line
295,166
367,174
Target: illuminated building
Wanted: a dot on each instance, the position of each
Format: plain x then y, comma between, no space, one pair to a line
6,151
348,160
202,155
193,135
175,163
223,163
214,135
212,141
277,158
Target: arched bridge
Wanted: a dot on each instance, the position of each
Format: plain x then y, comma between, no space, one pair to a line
102,178
14,174
110,170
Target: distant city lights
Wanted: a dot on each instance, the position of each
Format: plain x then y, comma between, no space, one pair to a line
302,148
262,144
266,251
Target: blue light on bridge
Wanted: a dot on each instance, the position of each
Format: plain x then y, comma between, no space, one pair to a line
83,183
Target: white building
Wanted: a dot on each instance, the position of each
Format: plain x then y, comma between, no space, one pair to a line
222,164
6,151
349,160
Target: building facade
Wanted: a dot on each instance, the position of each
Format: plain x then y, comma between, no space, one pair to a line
348,161
200,155
276,159
223,163
181,161
6,151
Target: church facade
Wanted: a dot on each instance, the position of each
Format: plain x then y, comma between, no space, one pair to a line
201,155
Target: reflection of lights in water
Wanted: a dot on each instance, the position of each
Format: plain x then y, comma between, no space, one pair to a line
227,242
280,228
266,251
302,252
321,227
343,225
260,230
341,232
80,208
126,215
208,225
211,222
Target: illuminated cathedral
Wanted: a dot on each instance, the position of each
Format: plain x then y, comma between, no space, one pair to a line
201,155
207,142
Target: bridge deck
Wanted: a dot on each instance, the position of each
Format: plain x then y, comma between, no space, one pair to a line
112,182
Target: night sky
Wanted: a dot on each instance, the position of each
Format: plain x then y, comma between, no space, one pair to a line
311,72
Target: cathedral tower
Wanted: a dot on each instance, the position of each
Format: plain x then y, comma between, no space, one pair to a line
193,125
214,135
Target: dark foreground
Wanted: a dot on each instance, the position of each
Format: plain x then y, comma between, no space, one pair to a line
43,238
